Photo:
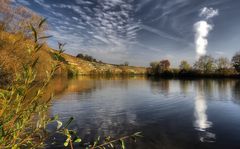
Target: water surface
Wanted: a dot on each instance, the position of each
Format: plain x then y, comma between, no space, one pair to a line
171,114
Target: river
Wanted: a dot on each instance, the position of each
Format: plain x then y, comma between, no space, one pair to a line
171,114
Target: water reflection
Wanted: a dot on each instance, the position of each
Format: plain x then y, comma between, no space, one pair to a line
236,92
160,86
171,113
201,122
185,86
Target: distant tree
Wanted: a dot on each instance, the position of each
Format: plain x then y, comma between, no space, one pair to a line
94,60
155,67
205,64
154,64
159,67
80,55
164,65
126,63
236,61
184,66
222,64
87,58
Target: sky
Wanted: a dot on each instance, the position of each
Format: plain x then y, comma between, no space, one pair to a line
142,31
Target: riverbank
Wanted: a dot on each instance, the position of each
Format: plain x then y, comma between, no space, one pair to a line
195,76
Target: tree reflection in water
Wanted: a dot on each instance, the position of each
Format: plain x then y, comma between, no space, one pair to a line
160,86
236,92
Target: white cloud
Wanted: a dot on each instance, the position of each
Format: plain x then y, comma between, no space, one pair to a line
208,13
42,3
24,2
75,18
201,29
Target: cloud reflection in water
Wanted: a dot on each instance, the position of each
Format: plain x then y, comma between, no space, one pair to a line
201,122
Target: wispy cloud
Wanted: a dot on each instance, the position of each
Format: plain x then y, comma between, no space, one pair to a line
109,25
23,2
120,29
164,34
42,3
208,13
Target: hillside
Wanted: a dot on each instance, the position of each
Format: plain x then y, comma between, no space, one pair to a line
14,51
86,67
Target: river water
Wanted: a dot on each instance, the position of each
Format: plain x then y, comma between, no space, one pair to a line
171,114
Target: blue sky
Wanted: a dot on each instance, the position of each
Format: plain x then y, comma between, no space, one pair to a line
139,31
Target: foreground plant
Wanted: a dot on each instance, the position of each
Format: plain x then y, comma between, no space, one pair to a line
109,142
22,115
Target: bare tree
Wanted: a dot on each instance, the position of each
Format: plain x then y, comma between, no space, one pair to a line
18,19
236,61
184,66
223,64
205,64
164,65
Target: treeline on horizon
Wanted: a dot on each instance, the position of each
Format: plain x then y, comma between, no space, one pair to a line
92,59
205,66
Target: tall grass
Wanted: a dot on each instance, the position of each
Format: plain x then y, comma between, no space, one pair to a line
23,117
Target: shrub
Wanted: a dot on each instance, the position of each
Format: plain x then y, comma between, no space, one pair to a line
72,71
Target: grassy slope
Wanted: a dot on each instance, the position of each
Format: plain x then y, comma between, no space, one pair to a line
85,67
14,53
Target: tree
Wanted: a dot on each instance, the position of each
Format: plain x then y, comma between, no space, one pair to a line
223,64
159,67
126,63
236,62
154,67
164,65
205,64
184,66
80,55
154,64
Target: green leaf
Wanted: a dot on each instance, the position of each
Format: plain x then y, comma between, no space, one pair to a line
59,124
107,138
66,143
1,131
2,95
68,122
34,33
77,140
56,117
35,62
38,47
95,143
44,37
42,21
138,134
111,145
123,144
